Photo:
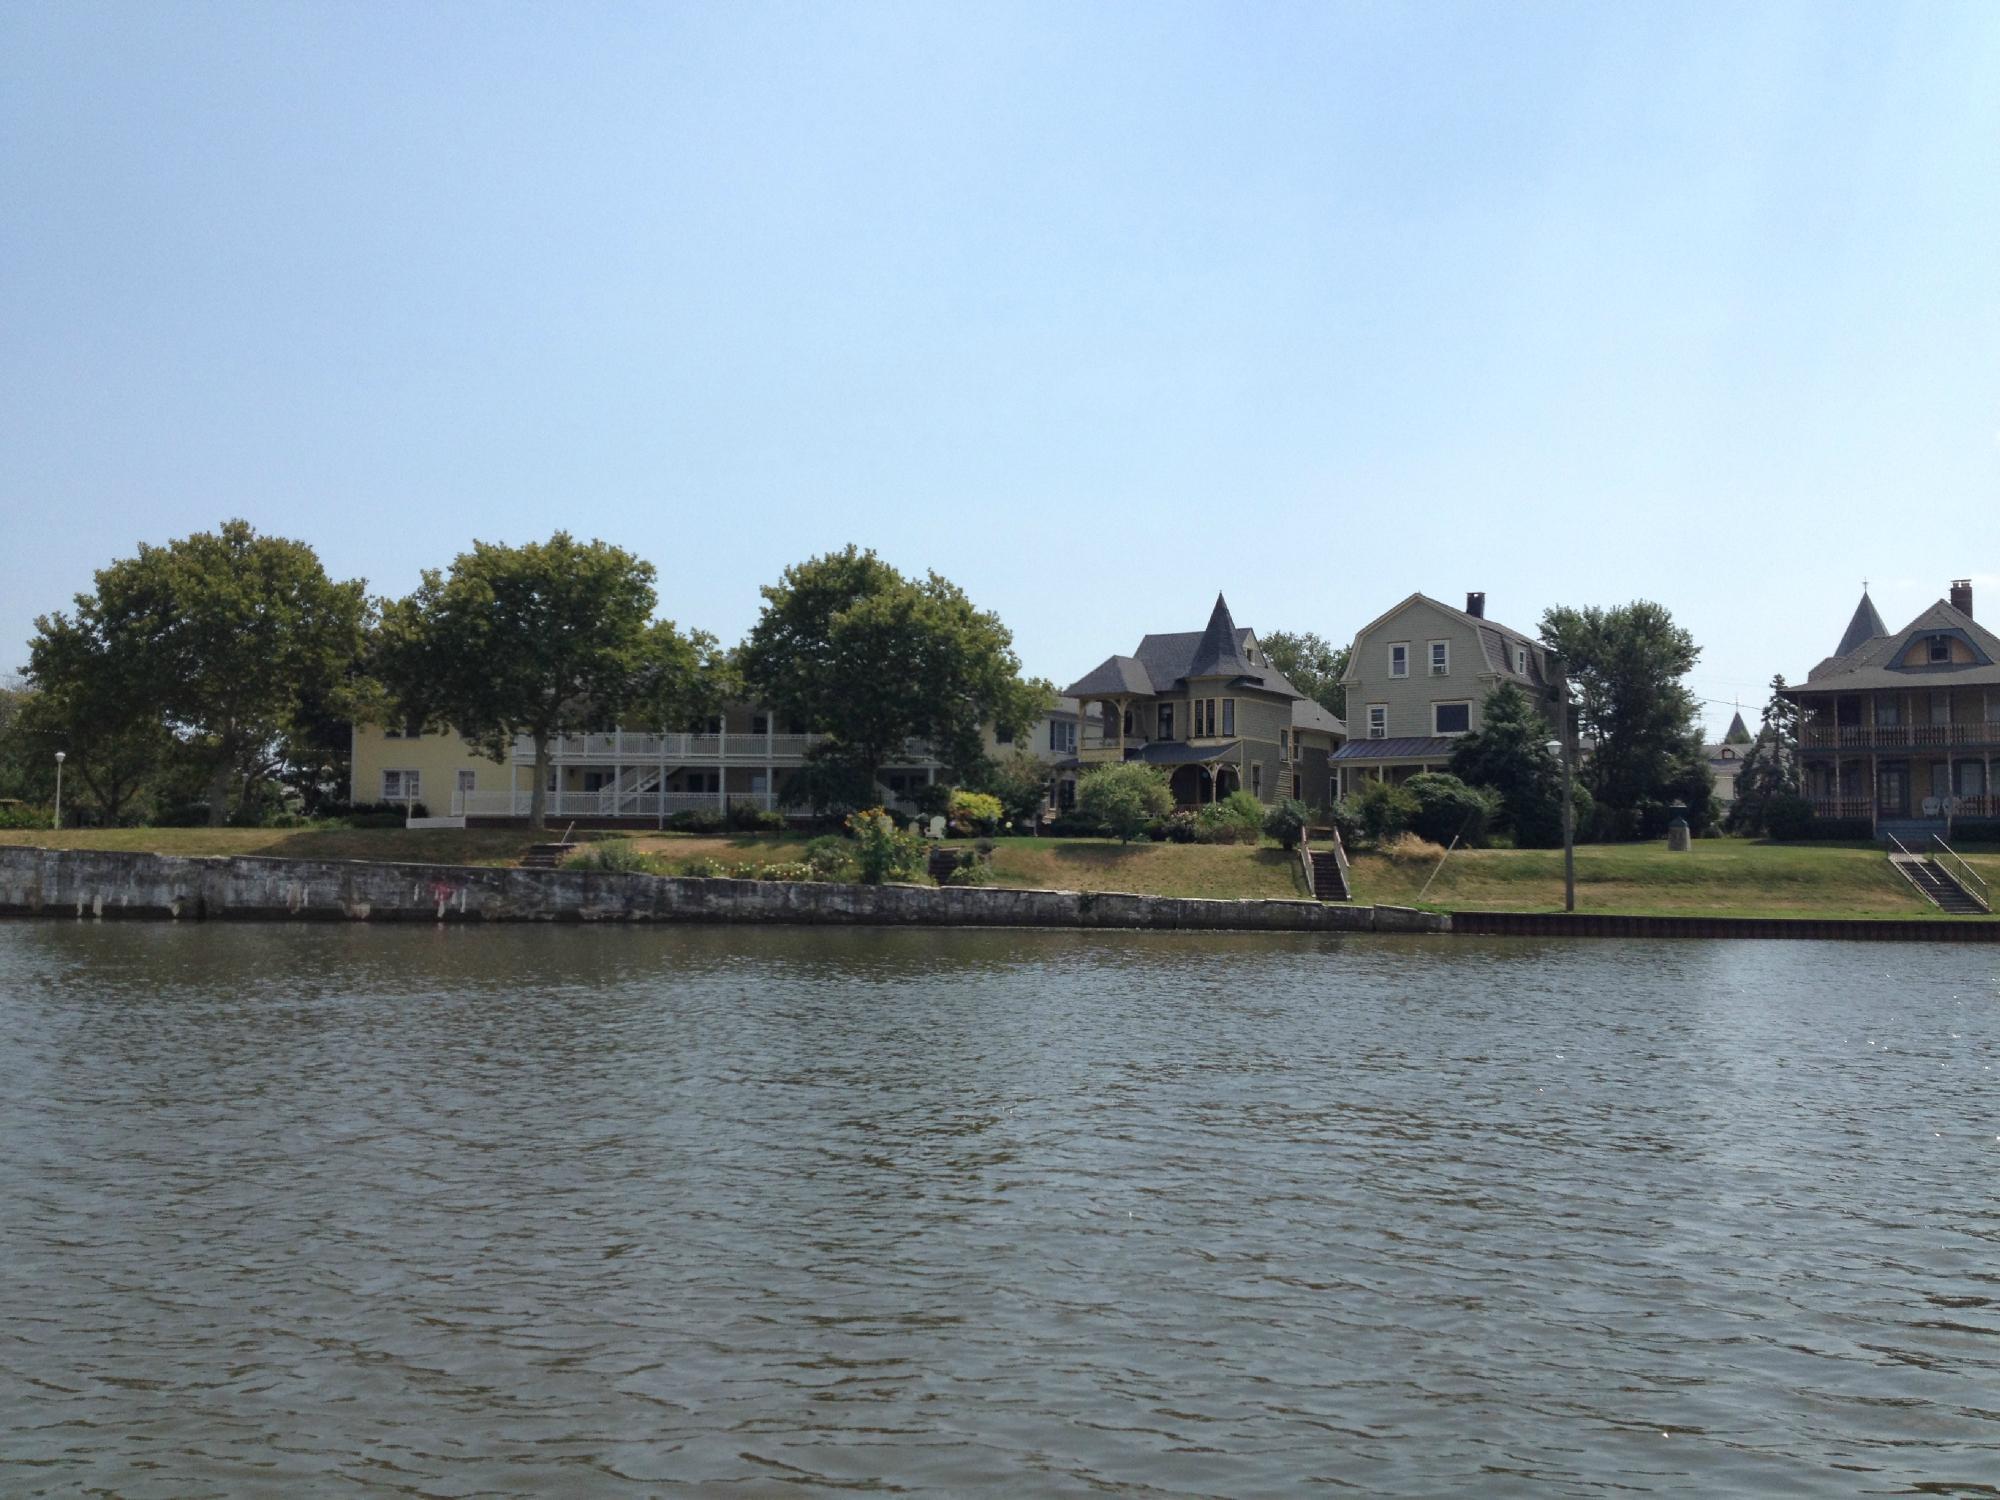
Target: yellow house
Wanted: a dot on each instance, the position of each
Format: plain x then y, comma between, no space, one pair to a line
625,777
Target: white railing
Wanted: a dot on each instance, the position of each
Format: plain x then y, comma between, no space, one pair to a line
630,745
606,802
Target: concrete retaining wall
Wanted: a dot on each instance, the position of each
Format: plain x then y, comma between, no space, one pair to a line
1850,929
92,883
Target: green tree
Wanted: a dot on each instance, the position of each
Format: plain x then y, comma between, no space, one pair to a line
1314,667
873,659
1509,755
1448,809
218,637
1286,822
1122,798
543,640
1021,781
1771,766
1627,664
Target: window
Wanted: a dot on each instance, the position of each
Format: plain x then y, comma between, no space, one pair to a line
1399,659
1257,778
1451,718
468,781
1284,744
1940,648
1204,717
413,730
795,726
760,723
1520,661
1062,734
1378,721
1440,658
1229,716
401,786
1888,712
1295,786
1003,736
757,782
1166,721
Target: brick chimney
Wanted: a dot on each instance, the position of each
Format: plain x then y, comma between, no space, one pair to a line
1475,605
1961,596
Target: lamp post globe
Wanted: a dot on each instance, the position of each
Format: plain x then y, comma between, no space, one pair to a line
60,758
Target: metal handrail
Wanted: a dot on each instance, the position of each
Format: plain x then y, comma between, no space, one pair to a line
1965,872
1904,870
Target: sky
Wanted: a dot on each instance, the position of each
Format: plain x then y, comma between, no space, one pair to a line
1095,310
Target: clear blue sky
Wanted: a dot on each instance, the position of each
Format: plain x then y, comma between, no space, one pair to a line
1094,309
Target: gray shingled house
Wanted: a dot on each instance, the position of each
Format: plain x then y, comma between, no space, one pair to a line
1416,679
1904,725
1207,707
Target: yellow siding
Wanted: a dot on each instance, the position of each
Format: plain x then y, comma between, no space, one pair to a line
436,758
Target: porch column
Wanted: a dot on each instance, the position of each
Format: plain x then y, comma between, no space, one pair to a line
1874,791
660,786
513,785
770,786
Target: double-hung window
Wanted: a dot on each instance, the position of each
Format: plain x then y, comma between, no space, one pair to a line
1399,659
1520,661
1229,716
401,786
1940,648
1284,744
1451,718
1440,658
1378,721
1166,721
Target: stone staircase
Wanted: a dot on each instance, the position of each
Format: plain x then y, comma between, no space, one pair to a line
1938,884
1328,884
546,856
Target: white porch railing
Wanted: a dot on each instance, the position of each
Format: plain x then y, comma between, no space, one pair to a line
606,802
630,745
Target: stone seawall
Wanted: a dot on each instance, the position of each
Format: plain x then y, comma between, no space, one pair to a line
101,884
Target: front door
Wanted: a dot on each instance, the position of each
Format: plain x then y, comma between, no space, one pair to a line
1893,796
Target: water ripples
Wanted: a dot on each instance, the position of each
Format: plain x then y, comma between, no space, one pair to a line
520,1212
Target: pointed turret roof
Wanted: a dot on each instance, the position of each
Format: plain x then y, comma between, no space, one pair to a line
1738,734
1219,654
1863,628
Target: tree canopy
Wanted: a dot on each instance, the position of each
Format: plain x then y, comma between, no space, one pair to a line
216,638
1771,766
871,659
1627,663
1314,667
1509,755
544,639
1123,797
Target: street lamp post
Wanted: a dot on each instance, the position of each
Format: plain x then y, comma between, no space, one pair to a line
1559,678
58,818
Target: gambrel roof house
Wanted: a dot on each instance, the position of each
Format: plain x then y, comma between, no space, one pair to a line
1416,678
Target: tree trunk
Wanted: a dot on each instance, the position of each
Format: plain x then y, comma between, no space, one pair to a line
538,798
218,791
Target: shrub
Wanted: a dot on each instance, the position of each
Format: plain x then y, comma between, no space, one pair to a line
1383,809
970,870
1074,825
696,820
27,817
974,812
1215,823
1179,827
883,852
782,870
1286,822
1021,782
830,857
1122,798
1244,808
1410,848
610,857
742,817
1447,809
1787,817
705,867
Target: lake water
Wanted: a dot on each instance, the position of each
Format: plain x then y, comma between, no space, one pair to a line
577,1212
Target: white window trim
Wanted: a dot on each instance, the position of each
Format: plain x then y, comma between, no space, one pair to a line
1520,661
409,785
1431,662
1464,703
1375,733
1394,647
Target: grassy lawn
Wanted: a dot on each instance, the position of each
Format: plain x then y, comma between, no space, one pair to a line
456,846
1718,877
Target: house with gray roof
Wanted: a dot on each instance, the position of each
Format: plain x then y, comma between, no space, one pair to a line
1904,724
1208,708
1417,679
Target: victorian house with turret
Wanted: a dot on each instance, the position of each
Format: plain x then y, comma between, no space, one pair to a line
1904,725
1209,709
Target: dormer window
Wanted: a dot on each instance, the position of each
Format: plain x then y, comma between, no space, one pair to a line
1520,661
1940,648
